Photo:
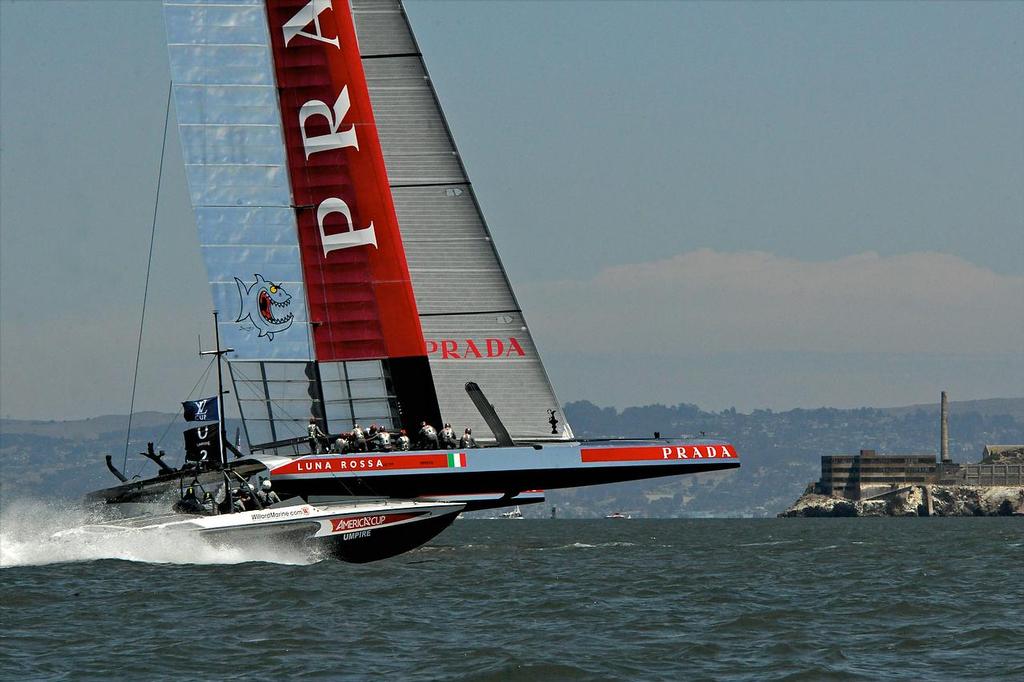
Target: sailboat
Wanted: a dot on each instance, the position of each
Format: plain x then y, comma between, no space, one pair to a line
516,513
357,278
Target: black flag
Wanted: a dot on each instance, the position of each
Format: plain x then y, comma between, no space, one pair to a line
204,410
202,444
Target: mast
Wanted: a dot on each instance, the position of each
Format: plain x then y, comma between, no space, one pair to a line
220,390
218,351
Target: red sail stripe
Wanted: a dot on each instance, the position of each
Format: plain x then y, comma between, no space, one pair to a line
361,300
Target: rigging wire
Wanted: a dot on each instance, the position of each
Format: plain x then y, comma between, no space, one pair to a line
246,382
250,383
202,380
149,266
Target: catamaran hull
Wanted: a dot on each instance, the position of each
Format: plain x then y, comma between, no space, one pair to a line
507,472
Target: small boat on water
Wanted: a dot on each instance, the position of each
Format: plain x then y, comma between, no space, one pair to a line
360,284
618,515
516,513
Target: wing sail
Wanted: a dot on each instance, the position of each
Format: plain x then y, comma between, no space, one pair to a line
341,236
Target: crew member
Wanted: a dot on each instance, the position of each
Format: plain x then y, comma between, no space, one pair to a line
428,436
189,503
383,440
403,440
467,440
341,444
448,437
243,498
317,438
266,495
358,439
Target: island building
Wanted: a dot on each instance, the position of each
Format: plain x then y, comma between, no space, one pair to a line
869,475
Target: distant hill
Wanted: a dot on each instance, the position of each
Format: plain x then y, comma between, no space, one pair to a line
780,451
989,407
92,428
66,458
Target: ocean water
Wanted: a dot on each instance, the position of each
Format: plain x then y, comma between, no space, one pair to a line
527,600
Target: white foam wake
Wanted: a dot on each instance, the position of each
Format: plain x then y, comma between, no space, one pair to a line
34,533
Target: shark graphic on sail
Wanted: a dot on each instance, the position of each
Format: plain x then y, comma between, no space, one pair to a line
264,305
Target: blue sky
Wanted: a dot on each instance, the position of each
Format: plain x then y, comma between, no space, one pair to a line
749,204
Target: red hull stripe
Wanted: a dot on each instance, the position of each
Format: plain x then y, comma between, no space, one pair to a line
321,465
360,294
658,453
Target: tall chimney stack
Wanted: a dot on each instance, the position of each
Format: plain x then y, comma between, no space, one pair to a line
944,430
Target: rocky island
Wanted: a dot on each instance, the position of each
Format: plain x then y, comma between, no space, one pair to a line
916,485
917,500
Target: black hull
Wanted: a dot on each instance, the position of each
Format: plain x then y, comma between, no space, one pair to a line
383,543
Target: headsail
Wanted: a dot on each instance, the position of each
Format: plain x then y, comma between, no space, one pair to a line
332,309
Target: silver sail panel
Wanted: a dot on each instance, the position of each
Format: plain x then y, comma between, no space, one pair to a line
471,320
229,123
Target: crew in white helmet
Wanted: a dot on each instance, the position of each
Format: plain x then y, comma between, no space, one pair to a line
358,440
382,442
266,495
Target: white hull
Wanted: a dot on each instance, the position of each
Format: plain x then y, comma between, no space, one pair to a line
356,532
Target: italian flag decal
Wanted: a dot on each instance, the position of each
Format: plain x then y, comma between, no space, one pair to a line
456,460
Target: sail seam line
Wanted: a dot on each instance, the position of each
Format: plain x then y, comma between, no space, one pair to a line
430,184
387,56
472,312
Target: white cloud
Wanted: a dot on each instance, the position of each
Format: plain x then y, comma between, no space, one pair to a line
707,301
